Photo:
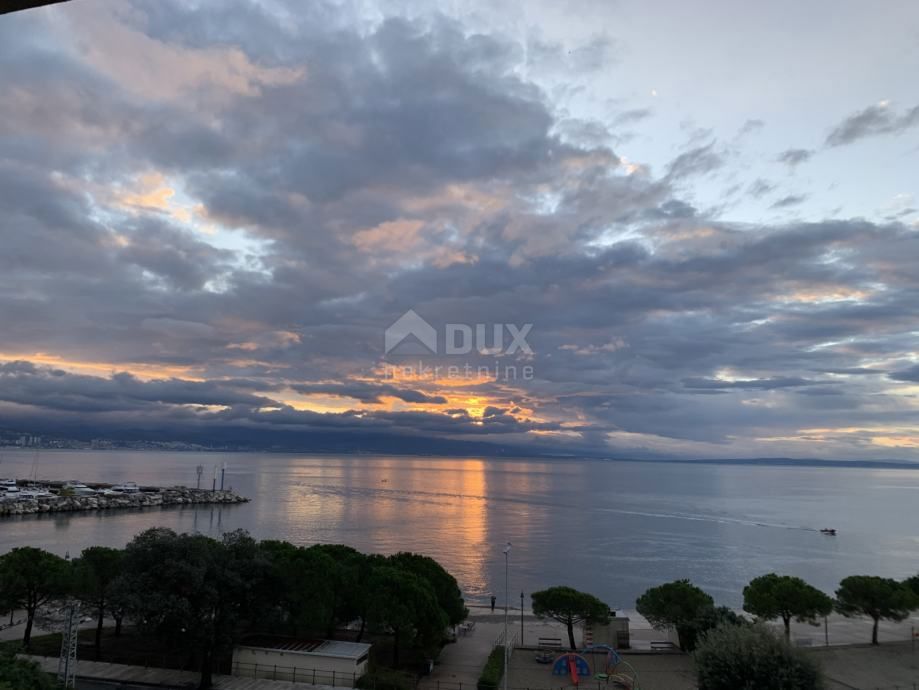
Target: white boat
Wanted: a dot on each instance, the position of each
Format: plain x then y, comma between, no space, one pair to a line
78,489
7,482
111,492
34,492
126,488
10,493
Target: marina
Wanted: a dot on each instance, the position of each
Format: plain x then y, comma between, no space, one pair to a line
30,497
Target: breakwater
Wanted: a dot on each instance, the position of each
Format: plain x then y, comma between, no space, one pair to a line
149,497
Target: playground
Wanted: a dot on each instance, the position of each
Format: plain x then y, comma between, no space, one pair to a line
600,668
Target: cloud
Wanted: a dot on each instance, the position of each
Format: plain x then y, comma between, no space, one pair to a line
789,200
874,120
751,125
700,160
910,374
794,157
760,188
352,167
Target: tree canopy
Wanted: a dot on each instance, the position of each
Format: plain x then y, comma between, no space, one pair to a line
94,576
880,598
199,595
680,605
569,606
446,589
21,674
407,605
30,578
782,596
731,657
193,590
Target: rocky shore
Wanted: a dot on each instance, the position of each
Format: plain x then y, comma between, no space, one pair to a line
148,498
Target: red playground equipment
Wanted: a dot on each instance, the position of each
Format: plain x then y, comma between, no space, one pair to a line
573,664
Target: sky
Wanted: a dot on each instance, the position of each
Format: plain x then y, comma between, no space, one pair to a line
695,229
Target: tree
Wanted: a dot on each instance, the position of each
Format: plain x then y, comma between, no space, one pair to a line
446,589
782,596
344,582
880,598
21,674
194,590
406,605
95,573
731,657
912,583
305,596
680,605
569,606
31,577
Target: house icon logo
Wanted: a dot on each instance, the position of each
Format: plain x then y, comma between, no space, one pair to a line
410,335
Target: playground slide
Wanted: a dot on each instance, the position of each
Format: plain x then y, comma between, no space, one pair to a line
573,668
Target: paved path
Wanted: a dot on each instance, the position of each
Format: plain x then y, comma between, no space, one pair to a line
460,663
168,678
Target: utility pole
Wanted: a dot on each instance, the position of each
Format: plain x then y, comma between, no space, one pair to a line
521,618
507,550
200,470
67,662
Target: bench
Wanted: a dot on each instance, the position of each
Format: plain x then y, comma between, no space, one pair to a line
662,646
549,642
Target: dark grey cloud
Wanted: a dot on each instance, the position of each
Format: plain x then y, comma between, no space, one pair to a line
794,157
909,374
751,125
789,200
873,121
760,188
699,160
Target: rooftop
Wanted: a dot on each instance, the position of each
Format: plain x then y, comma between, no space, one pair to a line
336,648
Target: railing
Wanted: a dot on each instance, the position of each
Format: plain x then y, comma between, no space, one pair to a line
341,679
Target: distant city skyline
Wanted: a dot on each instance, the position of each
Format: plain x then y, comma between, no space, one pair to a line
701,222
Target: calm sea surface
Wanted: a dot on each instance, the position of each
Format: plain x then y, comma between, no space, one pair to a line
611,528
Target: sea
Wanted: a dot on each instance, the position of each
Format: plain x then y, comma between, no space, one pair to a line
612,528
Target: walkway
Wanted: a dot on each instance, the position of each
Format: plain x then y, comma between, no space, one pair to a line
167,678
460,663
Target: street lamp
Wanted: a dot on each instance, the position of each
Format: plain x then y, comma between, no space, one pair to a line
507,550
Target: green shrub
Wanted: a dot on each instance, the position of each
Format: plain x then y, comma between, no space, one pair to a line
385,679
493,670
20,674
733,657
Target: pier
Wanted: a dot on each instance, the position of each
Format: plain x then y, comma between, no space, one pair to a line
60,497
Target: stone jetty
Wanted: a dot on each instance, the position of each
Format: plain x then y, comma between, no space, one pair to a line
147,497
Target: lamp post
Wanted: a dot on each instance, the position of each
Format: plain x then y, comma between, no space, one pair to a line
507,550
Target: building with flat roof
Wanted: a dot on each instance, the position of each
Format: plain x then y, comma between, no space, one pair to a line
320,662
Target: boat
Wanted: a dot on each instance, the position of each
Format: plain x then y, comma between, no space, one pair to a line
9,493
78,489
126,488
828,531
33,491
7,482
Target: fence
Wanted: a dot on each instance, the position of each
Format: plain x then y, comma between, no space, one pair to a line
313,676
